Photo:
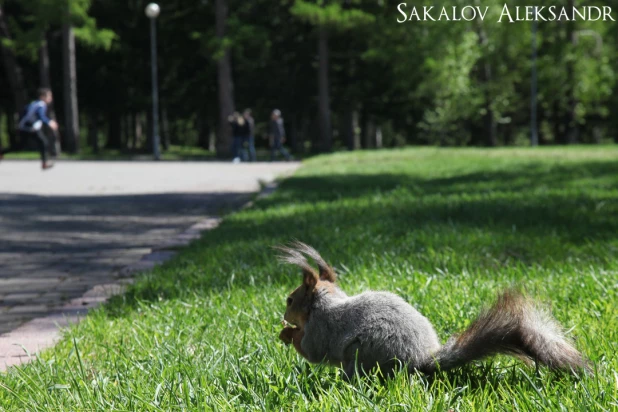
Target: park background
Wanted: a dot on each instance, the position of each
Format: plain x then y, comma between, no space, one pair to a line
345,74
445,228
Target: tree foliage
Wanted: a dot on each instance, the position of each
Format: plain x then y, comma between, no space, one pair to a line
444,83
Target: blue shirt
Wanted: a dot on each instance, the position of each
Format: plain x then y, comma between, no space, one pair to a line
36,111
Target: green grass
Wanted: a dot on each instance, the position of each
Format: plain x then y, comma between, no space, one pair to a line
444,228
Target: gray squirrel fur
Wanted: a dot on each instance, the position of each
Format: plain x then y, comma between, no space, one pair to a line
381,329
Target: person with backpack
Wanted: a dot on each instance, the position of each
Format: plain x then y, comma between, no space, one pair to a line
31,126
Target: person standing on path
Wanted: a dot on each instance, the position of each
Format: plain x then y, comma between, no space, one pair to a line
277,136
237,123
31,126
251,140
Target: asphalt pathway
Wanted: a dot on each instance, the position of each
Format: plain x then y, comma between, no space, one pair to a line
68,229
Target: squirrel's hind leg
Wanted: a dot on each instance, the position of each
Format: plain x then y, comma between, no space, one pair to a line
384,371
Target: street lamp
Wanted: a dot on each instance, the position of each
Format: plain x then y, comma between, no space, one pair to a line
152,12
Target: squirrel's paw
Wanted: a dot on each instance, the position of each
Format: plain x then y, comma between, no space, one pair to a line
287,334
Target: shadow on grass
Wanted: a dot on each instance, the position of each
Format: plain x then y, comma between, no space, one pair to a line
532,214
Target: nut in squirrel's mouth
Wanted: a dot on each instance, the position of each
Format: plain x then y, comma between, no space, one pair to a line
287,324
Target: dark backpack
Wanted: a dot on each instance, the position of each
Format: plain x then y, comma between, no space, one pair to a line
23,113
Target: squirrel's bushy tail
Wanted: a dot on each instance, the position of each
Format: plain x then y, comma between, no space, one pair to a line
513,325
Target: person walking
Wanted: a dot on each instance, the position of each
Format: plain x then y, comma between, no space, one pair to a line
277,136
251,138
31,126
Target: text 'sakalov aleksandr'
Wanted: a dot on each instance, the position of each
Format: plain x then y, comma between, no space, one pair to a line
508,13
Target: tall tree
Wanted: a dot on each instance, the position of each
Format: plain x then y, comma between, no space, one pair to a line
11,67
44,76
570,117
323,91
71,113
225,83
327,18
45,81
485,80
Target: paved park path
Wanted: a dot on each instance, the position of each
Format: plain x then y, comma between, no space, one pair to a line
81,224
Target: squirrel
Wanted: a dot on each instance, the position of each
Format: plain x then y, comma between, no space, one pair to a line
380,329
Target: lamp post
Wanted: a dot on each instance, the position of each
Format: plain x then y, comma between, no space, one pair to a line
152,12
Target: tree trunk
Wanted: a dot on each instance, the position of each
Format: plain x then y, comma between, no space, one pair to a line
137,132
490,125
203,132
124,130
226,86
489,121
130,130
597,135
14,78
323,92
11,129
93,131
363,123
292,131
355,129
165,129
542,116
71,114
558,125
149,132
507,133
113,137
44,80
570,122
212,141
175,129
378,135
367,131
348,127
534,107
304,131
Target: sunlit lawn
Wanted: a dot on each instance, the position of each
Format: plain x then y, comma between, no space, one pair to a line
444,228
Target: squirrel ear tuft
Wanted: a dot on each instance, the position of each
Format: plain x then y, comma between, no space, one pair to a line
327,273
294,254
294,257
310,279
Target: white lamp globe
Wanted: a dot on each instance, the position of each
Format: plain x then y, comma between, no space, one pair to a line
153,10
